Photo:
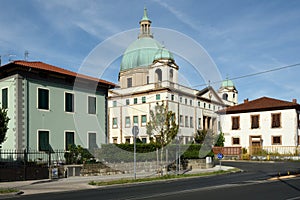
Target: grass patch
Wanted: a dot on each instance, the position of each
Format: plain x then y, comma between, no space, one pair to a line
8,190
166,177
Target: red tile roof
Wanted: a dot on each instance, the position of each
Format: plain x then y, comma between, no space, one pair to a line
51,68
261,104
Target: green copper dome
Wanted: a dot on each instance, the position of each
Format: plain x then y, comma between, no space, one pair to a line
163,54
140,53
228,83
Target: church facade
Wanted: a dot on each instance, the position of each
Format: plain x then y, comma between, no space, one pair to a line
149,76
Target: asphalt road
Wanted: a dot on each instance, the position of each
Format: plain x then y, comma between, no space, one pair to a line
253,183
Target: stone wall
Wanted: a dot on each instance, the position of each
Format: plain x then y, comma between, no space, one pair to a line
100,169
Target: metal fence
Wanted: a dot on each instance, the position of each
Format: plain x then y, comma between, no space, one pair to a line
18,165
12,157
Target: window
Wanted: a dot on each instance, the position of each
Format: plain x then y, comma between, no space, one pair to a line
127,102
199,103
115,140
172,97
158,75
225,96
143,99
144,120
191,122
129,82
92,138
91,105
43,141
158,97
254,121
185,101
144,140
180,99
235,141
135,101
5,98
181,120
127,140
186,120
276,120
199,123
115,122
69,140
276,140
191,102
135,120
127,122
69,102
171,74
235,123
204,105
114,103
147,79
43,99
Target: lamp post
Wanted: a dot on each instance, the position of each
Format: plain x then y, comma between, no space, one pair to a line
135,132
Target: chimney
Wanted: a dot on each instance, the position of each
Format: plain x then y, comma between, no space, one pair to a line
294,100
246,100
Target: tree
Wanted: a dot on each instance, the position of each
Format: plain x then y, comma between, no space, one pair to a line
210,137
221,140
162,125
4,119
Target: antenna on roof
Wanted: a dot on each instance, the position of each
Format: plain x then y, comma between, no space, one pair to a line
26,53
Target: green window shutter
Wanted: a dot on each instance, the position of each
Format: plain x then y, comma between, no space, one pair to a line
43,141
43,99
143,99
158,97
5,98
135,120
144,119
69,102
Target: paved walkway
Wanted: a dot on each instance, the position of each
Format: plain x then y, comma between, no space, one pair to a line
80,183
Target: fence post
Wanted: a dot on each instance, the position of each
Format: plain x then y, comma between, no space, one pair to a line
25,159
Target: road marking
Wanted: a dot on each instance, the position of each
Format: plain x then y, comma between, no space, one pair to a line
294,198
283,177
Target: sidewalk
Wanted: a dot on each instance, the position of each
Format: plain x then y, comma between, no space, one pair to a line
81,183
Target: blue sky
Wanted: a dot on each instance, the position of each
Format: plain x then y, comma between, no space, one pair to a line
241,36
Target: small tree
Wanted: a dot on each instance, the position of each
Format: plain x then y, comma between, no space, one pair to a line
221,140
162,125
4,119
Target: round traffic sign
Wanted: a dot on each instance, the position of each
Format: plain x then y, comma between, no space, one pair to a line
220,156
135,131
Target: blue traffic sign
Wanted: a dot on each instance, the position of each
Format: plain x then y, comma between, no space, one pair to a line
220,156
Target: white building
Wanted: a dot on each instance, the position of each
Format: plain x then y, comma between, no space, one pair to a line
149,75
266,123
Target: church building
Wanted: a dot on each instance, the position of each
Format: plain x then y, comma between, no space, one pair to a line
149,75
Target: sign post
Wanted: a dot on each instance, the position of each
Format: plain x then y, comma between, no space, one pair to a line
220,157
135,132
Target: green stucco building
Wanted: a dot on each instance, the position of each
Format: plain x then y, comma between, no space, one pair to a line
50,107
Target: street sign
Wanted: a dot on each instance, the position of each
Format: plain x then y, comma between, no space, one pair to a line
220,156
135,131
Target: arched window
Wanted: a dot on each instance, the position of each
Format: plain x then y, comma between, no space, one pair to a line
158,75
225,96
171,75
